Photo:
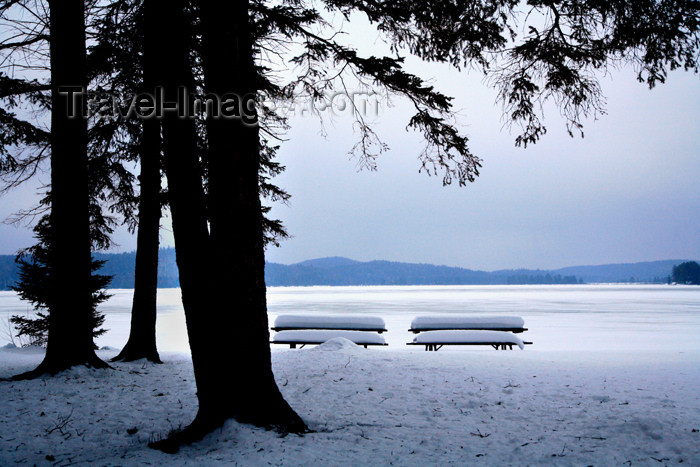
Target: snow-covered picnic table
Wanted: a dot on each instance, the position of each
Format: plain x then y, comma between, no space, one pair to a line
496,331
316,336
316,329
468,322
434,340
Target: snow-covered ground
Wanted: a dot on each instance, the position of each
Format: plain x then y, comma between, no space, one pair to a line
613,378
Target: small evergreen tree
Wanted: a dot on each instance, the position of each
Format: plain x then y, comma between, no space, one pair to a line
33,286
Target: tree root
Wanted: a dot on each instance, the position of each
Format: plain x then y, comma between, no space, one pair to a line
52,366
130,355
284,423
197,430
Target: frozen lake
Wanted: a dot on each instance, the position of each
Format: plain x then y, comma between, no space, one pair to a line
598,318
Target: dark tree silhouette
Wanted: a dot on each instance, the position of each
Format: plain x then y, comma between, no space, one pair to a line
34,286
236,228
562,46
167,28
126,62
113,69
686,273
532,53
71,321
142,337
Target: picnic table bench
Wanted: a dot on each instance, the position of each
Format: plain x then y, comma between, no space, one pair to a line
499,340
304,330
434,332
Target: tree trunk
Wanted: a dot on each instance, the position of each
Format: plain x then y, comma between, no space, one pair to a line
222,274
70,339
236,225
167,26
142,337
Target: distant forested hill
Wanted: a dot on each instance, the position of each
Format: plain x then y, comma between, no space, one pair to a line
118,265
8,271
121,267
344,271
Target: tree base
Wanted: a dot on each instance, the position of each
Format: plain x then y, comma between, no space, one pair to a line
197,430
284,421
51,366
133,353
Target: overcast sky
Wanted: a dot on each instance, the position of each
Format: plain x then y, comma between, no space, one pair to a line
627,192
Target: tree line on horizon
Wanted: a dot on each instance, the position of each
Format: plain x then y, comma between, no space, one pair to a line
212,174
120,268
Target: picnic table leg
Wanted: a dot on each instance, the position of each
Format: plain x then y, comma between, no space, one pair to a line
292,346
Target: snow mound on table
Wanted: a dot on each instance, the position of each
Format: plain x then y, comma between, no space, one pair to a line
329,322
466,322
315,336
468,337
337,344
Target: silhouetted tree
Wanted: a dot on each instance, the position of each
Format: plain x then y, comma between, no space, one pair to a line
686,273
70,340
564,43
236,223
124,62
34,286
215,169
113,69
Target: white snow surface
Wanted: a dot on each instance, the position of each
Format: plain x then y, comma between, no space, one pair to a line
612,379
457,337
315,336
358,322
370,407
466,321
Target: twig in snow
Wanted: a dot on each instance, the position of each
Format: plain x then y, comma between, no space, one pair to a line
62,423
480,434
563,452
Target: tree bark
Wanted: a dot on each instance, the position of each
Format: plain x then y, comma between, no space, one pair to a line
167,26
219,251
70,339
142,337
236,223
